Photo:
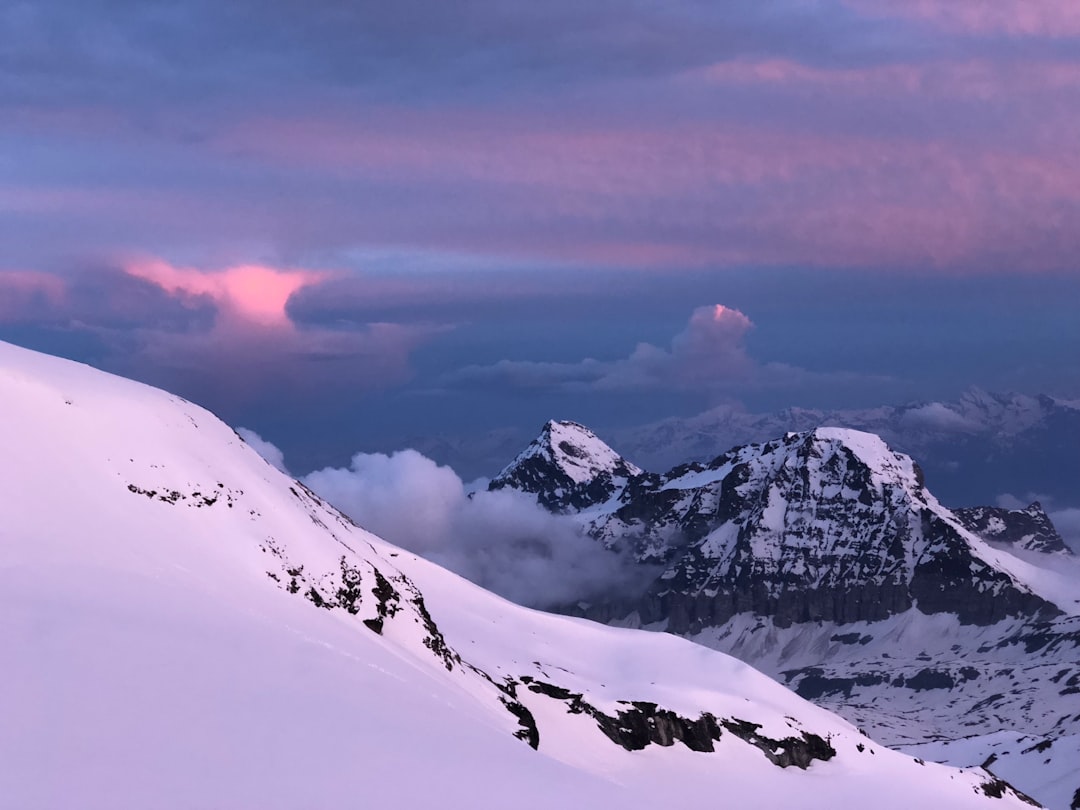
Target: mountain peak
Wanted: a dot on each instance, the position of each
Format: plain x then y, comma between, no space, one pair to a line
792,528
567,467
580,453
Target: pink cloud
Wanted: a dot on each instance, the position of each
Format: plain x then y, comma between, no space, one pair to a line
252,293
1046,18
979,79
705,192
254,347
820,179
243,348
24,293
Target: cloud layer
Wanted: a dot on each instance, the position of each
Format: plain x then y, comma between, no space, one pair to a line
854,133
223,336
501,540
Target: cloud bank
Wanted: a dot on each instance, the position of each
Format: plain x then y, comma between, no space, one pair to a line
1067,522
269,451
845,133
503,541
223,335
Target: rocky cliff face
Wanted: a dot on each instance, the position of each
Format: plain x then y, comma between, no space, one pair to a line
829,525
1029,528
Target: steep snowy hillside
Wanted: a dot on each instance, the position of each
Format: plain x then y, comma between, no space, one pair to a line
822,559
187,627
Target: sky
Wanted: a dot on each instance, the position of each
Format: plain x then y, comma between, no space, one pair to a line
347,225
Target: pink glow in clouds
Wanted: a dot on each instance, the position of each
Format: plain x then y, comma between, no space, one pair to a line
1046,18
254,293
22,292
699,192
972,79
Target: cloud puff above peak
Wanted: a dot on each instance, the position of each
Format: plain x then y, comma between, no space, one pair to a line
709,354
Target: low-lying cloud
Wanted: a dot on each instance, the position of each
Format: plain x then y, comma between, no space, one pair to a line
269,451
939,418
503,541
1067,522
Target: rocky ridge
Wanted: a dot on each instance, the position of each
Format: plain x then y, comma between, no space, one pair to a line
1030,528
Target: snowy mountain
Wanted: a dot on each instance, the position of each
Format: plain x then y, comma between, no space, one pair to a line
1030,528
185,626
822,559
973,449
568,468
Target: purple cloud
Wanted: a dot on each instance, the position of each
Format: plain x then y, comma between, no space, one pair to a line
852,133
226,333
709,354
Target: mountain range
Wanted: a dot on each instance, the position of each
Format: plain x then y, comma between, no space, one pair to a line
973,450
186,626
822,558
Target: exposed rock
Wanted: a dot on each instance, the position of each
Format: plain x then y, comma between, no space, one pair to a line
827,526
567,468
1029,528
641,724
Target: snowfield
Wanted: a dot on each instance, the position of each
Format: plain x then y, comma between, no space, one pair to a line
186,627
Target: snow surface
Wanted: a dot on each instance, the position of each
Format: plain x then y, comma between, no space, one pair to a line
155,656
1050,767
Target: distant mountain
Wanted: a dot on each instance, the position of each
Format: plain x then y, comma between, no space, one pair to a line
185,626
822,558
972,450
1030,529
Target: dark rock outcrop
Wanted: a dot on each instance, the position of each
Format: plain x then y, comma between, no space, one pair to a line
1029,528
641,724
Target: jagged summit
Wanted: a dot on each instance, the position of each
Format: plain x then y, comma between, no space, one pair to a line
567,467
1029,528
973,447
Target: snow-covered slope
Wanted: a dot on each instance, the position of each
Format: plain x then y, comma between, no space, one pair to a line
184,626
